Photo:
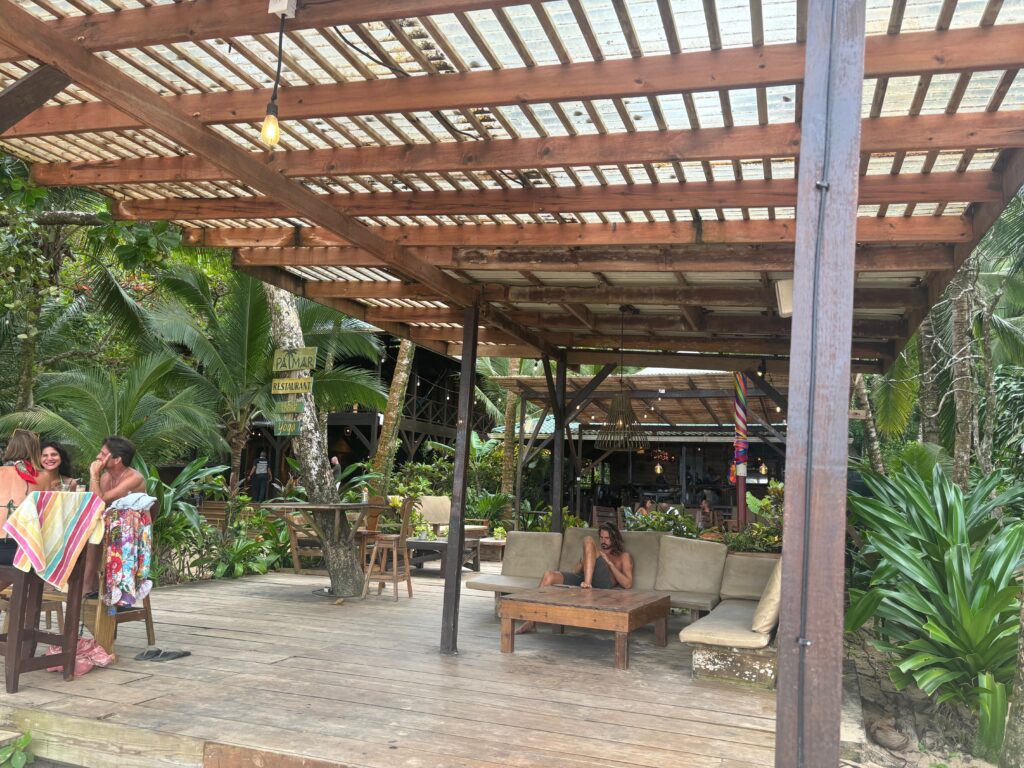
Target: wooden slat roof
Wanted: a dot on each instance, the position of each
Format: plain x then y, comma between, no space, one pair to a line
554,158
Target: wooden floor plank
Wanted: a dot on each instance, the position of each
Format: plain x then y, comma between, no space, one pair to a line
274,667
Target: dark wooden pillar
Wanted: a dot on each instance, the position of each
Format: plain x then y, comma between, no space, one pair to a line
811,629
456,521
558,450
520,461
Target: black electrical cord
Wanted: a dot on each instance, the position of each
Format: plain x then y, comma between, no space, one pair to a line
280,51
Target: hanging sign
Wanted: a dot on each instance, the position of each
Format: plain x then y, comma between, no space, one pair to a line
858,414
291,386
287,428
291,406
303,359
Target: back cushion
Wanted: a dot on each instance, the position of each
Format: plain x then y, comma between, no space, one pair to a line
572,546
767,614
435,509
530,554
644,547
746,575
690,565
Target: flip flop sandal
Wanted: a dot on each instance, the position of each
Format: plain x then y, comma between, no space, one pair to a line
171,655
148,655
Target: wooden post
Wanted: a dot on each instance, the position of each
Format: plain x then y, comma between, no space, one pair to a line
456,521
521,454
558,451
811,627
741,502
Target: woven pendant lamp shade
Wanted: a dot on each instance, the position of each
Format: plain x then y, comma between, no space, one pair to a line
623,431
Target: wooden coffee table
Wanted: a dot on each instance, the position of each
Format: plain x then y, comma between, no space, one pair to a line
616,610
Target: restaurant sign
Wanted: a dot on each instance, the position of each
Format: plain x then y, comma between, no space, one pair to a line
291,406
291,386
303,359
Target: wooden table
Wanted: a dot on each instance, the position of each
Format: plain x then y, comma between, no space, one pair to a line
437,549
616,610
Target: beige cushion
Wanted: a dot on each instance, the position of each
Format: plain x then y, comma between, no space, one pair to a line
531,554
728,625
572,546
767,614
492,582
746,574
694,601
476,531
644,547
690,565
436,510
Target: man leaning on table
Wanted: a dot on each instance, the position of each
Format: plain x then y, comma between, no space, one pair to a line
604,566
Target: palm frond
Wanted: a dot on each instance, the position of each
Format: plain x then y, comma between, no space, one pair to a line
894,393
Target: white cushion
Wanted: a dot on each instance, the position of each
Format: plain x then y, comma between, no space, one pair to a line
728,626
694,601
436,510
690,565
530,554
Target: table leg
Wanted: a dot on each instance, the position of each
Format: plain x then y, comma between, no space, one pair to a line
661,631
622,650
476,558
508,636
557,629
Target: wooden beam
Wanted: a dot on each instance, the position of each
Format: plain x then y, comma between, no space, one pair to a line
26,95
366,289
976,130
867,298
773,394
691,361
20,29
209,19
457,519
890,230
958,50
685,258
810,635
975,186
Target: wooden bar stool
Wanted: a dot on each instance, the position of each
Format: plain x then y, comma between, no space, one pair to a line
395,546
18,644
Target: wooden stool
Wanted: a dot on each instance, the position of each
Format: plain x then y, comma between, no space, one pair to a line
384,545
104,626
19,643
53,605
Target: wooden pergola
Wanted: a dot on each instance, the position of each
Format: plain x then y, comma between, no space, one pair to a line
490,177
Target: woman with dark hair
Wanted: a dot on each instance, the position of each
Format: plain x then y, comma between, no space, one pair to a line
57,474
19,476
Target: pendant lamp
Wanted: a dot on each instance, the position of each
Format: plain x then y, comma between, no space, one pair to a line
623,431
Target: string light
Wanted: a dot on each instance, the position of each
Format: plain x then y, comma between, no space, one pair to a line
270,133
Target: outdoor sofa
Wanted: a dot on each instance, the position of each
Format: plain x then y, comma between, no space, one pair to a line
731,588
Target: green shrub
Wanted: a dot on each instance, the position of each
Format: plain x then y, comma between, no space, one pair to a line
764,534
673,520
944,593
17,754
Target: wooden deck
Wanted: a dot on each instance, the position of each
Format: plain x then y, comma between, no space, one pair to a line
276,669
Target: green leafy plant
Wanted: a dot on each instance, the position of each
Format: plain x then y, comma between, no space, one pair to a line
234,553
500,533
764,534
16,754
672,520
489,506
944,593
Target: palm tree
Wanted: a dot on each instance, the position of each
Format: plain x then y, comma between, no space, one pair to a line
151,404
229,340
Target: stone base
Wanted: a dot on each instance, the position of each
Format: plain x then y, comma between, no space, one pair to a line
753,666
492,550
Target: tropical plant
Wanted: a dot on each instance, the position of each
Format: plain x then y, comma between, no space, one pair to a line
488,506
229,340
17,754
240,549
945,591
479,450
672,520
764,534
151,404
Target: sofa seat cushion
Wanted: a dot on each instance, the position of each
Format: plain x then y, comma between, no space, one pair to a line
531,554
746,575
493,582
690,565
694,601
727,625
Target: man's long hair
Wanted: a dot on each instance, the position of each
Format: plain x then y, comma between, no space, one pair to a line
618,547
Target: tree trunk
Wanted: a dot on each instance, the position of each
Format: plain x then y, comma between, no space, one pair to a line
236,442
387,441
928,396
508,446
1013,742
341,554
986,458
963,380
871,432
27,358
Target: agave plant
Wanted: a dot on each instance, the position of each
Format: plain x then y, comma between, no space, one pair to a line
945,591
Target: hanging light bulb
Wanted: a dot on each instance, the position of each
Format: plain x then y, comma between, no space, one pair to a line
763,469
778,409
658,469
270,133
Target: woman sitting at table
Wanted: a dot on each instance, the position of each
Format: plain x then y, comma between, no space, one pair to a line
57,474
19,476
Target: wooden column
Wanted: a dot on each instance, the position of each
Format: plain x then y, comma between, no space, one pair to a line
558,450
456,521
521,460
811,628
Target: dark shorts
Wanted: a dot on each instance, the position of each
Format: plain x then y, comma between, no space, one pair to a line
603,578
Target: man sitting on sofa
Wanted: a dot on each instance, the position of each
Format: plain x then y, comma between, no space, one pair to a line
610,567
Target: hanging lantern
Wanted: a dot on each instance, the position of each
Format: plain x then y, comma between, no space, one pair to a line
623,431
658,469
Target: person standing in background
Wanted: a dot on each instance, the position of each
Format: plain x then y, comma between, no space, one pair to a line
259,478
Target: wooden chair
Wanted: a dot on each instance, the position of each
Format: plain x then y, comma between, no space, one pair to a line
97,617
368,532
53,606
303,539
388,549
18,643
612,515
